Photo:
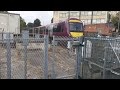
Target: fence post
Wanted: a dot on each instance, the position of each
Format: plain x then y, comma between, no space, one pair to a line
78,62
8,55
25,61
79,59
104,65
0,62
46,56
84,56
78,45
25,37
53,63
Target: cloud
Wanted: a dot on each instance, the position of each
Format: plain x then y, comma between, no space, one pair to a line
29,16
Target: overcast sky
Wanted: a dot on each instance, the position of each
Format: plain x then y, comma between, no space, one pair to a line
29,16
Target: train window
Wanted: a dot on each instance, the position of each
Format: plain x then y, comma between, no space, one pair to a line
74,27
62,27
58,28
36,30
30,30
42,30
54,28
46,30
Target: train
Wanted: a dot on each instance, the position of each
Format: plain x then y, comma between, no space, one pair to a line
71,27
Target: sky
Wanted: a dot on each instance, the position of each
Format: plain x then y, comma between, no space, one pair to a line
29,16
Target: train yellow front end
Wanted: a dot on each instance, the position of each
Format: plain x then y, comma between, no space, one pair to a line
76,28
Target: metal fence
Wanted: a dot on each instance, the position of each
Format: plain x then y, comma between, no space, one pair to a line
64,58
23,58
101,59
26,57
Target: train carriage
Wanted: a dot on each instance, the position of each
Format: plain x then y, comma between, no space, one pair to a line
71,27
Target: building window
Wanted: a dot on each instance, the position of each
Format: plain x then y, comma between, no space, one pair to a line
98,13
89,13
98,21
86,13
94,12
89,21
60,14
85,21
78,13
102,20
82,13
103,12
63,15
74,14
94,21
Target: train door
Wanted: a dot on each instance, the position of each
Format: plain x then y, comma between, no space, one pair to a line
54,29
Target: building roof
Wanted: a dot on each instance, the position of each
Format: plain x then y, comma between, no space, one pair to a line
9,13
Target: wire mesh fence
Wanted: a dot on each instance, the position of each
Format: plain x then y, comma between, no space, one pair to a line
64,58
22,61
101,58
38,58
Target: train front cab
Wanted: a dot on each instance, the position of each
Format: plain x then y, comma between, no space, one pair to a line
76,28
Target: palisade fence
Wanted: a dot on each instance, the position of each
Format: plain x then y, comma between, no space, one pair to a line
27,57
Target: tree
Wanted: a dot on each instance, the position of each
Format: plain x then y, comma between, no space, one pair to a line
52,20
30,25
22,24
37,23
115,20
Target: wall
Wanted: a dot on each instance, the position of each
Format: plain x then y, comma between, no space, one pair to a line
10,23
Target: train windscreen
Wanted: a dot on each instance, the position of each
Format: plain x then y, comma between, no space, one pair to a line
76,27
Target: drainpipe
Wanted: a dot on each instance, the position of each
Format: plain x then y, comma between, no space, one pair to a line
79,14
92,18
